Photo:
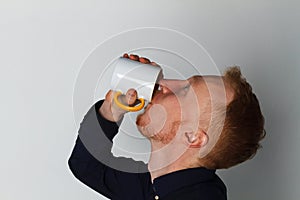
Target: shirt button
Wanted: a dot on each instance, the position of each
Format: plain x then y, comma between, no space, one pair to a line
156,197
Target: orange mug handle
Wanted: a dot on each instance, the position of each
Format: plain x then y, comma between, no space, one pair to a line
128,108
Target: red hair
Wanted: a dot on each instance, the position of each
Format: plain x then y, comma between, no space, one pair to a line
243,127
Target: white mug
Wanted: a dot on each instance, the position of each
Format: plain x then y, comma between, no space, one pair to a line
139,76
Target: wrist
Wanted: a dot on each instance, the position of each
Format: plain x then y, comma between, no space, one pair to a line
110,113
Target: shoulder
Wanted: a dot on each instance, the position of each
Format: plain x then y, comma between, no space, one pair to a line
210,189
199,191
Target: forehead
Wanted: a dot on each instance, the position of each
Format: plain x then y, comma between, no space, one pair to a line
214,86
211,79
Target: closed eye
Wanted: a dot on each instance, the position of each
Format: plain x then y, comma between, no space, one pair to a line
184,90
187,87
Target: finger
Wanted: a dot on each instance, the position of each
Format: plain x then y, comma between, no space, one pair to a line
154,64
134,57
131,96
125,55
144,60
109,96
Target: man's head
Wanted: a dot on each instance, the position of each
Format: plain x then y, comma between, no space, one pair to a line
216,119
243,127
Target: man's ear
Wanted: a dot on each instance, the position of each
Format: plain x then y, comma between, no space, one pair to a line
196,139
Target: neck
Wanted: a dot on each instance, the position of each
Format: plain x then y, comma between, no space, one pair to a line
166,170
167,158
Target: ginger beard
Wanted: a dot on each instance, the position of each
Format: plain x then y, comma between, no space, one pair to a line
154,125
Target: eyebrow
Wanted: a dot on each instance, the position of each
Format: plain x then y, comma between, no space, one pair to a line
192,80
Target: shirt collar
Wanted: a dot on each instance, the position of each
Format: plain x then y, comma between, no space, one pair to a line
168,183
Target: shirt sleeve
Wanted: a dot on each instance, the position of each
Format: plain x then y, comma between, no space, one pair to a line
91,160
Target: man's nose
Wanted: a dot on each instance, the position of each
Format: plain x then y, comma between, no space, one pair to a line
171,85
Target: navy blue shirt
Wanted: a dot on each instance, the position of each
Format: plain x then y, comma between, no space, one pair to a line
92,152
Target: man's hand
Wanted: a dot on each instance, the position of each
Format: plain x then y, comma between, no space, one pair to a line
112,112
140,59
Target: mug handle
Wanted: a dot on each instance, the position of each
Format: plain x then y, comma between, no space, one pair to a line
128,108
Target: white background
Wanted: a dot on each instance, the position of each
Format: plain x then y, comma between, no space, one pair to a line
44,43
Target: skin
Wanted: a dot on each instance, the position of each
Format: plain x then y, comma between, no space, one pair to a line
176,121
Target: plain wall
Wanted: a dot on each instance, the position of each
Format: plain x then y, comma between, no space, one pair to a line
44,44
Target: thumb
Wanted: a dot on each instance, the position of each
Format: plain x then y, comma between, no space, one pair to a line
131,96
109,96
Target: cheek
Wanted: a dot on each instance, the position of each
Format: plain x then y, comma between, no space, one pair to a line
153,120
158,117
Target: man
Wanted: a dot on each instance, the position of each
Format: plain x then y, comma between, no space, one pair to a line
195,126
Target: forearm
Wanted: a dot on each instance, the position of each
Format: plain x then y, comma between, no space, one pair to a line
108,125
92,161
93,149
96,132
